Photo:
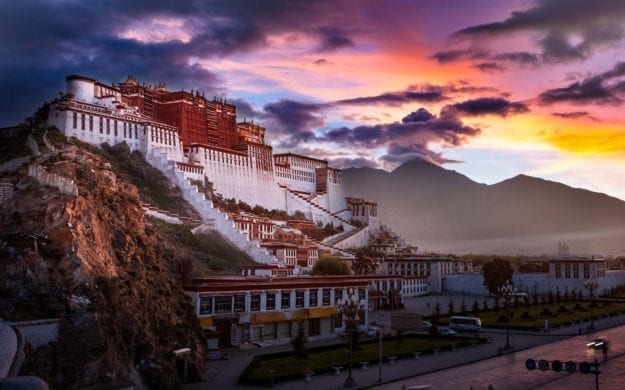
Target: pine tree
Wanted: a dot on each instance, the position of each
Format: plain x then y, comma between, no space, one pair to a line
450,306
463,307
476,307
485,305
299,343
437,309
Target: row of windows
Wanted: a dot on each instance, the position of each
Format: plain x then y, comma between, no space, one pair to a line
567,274
567,266
236,303
83,125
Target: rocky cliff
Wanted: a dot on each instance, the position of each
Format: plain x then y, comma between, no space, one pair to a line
96,262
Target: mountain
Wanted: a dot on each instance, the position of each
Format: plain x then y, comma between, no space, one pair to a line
443,210
76,245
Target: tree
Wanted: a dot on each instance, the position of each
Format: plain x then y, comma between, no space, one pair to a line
330,266
299,343
496,274
450,306
463,307
485,305
437,310
476,307
363,265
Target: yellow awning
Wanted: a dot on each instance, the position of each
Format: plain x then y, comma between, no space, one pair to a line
322,312
206,322
263,318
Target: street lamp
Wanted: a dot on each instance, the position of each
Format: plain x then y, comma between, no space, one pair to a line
349,308
591,285
507,291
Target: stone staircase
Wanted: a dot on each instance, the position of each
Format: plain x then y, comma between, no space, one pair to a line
209,214
332,249
346,224
335,239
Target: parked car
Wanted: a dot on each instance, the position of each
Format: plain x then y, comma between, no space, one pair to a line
445,331
372,332
426,325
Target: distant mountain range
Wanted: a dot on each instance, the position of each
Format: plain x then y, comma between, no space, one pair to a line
442,210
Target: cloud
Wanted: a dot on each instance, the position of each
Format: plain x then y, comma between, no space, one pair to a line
489,67
488,106
445,129
574,115
571,29
345,162
421,94
332,39
322,62
399,154
421,115
598,89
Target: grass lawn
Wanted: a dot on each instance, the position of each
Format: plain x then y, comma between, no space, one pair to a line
285,366
537,318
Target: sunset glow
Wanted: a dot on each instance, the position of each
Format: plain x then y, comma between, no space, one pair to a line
512,80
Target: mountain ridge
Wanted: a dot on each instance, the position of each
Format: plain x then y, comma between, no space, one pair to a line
449,211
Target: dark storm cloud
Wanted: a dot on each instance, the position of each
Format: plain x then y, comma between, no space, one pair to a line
293,119
604,88
447,128
561,22
421,115
51,39
518,57
245,111
488,106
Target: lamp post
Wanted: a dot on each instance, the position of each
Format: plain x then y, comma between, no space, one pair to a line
591,285
507,291
349,308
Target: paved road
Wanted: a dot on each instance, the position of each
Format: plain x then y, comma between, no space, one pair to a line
223,374
509,372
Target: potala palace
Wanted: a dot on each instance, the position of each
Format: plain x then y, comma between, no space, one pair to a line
191,138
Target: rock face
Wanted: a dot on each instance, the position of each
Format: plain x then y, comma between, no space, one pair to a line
93,260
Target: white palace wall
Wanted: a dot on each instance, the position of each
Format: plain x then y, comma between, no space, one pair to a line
235,175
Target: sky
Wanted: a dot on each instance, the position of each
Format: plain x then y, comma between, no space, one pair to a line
491,89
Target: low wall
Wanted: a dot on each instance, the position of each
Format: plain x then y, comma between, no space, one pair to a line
64,184
538,283
39,332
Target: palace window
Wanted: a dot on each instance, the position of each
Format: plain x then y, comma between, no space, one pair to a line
101,125
558,274
239,303
75,119
82,121
299,299
255,302
223,304
312,298
115,128
361,293
586,274
576,274
567,274
108,126
206,305
286,299
271,301
326,297
90,123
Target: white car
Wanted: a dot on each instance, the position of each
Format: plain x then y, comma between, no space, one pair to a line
444,331
372,332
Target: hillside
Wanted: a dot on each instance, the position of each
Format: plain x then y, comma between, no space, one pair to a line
95,261
439,209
